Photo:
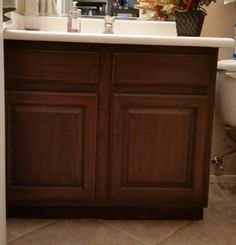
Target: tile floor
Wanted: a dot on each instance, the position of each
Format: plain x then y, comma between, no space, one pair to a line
218,227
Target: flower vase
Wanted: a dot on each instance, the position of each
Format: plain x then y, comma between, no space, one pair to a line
189,23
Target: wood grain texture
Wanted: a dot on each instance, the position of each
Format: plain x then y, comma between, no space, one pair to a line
124,130
51,146
156,147
155,68
51,65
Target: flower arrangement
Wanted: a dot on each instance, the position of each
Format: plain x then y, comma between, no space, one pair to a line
195,4
165,9
190,17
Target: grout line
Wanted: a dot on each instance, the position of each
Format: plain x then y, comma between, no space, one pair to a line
32,231
120,231
173,233
216,179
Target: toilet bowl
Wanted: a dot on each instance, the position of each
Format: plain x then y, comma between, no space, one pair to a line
226,91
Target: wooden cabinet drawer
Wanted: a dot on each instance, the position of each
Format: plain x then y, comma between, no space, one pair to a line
162,68
52,66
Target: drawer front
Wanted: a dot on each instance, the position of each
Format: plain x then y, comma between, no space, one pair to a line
155,68
56,66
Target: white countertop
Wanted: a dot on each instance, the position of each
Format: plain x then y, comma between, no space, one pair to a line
126,32
118,38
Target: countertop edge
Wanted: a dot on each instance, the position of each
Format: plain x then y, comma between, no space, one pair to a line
119,39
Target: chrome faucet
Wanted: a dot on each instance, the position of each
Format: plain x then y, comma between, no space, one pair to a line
108,25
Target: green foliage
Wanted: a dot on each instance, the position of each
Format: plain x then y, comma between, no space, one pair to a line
168,10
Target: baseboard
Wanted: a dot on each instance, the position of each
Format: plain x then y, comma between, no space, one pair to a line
214,179
52,212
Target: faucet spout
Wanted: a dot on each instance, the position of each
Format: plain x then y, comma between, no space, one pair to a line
108,25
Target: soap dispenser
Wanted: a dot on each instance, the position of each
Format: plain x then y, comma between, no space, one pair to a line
74,16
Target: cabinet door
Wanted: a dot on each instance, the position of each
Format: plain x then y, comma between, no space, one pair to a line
158,149
51,146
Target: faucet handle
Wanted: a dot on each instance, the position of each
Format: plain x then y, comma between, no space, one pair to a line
109,19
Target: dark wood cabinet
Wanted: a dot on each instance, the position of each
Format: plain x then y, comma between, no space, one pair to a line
51,145
99,130
157,148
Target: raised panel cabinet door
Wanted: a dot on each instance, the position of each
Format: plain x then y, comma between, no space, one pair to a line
158,149
51,139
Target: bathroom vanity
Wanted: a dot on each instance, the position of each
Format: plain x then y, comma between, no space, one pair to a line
109,130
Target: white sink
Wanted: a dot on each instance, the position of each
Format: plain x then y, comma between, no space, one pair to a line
131,27
96,25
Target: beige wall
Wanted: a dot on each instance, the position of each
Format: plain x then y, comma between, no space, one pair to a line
220,22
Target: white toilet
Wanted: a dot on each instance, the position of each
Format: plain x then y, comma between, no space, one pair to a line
226,90
226,98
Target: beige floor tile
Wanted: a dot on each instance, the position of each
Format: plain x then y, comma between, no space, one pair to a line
218,227
76,232
227,210
147,231
216,194
214,229
222,193
229,191
19,227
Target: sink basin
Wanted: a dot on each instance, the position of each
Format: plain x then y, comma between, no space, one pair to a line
96,25
131,27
